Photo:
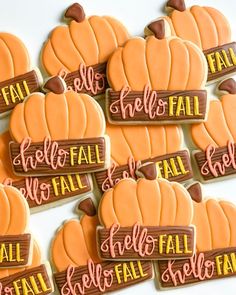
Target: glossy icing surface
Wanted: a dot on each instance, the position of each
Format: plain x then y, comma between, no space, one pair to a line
148,202
166,64
58,116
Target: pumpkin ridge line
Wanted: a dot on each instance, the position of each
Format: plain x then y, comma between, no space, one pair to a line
137,198
214,24
113,33
149,141
210,229
147,68
85,241
79,53
176,202
189,67
225,118
230,227
197,29
126,139
12,59
209,133
170,68
95,36
61,61
122,59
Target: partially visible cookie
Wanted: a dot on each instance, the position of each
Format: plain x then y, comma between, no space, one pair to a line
74,256
216,137
79,52
17,78
132,146
209,29
59,133
156,80
215,247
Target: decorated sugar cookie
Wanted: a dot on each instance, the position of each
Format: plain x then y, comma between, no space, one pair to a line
34,279
216,137
209,29
215,256
42,192
17,78
79,52
132,146
156,80
15,241
79,270
144,220
62,132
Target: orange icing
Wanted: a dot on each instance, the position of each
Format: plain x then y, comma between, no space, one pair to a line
215,224
167,64
90,42
14,211
59,116
75,243
149,202
13,56
220,125
142,142
204,26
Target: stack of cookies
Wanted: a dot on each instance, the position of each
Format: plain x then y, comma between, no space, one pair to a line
104,125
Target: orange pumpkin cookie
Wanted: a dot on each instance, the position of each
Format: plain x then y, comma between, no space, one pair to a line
30,279
42,192
79,52
216,137
61,132
145,220
215,246
134,145
209,29
17,79
156,80
15,242
74,255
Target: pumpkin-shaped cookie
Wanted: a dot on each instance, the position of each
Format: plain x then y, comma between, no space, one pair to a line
156,80
74,254
17,79
209,29
136,216
131,145
79,51
214,221
217,136
68,126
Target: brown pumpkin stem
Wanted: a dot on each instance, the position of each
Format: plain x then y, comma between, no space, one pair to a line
87,207
228,85
158,28
55,85
176,4
147,170
195,192
76,12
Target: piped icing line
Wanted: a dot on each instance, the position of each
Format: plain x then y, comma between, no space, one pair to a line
102,277
150,106
88,79
145,242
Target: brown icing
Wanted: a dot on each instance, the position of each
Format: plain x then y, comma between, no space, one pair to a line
228,85
158,28
27,84
55,85
147,170
195,192
76,12
87,206
176,4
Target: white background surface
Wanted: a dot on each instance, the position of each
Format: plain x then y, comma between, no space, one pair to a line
32,20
